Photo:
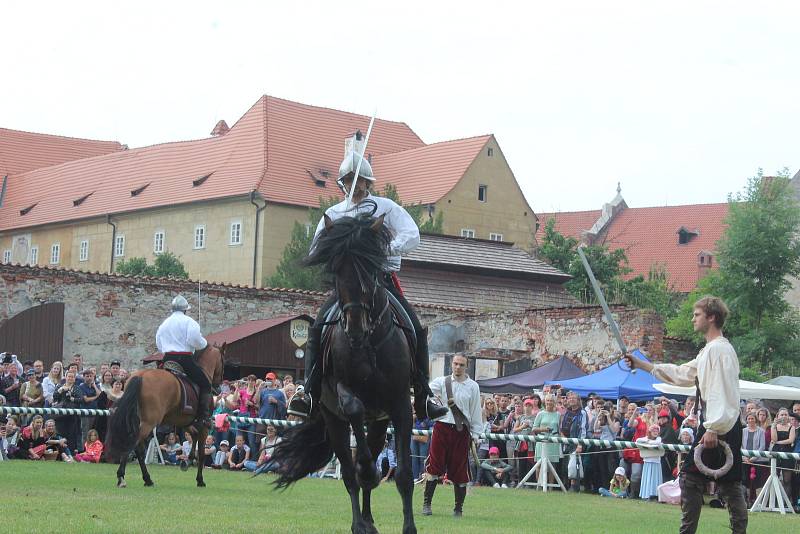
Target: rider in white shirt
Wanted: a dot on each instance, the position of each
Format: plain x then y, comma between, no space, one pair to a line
179,339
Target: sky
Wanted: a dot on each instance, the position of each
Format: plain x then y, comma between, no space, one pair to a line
679,102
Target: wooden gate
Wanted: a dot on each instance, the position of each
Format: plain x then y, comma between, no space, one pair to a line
35,334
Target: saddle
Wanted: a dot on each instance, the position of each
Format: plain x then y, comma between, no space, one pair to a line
399,316
190,393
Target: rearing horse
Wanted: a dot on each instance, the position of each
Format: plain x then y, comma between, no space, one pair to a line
153,397
366,375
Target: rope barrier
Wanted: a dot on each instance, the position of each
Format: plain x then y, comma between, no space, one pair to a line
608,444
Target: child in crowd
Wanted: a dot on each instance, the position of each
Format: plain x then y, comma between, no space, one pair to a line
92,448
9,435
221,457
239,454
184,455
170,449
651,471
618,488
495,470
210,451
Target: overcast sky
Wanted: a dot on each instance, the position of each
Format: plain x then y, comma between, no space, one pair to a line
680,102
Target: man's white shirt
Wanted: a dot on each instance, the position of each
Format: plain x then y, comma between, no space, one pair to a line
179,333
405,233
467,395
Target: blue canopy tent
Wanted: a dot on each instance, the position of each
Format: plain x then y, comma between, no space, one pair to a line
614,382
559,369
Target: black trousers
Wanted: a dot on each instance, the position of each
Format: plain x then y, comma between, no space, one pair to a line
190,367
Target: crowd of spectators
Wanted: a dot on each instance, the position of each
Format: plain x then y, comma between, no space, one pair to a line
648,474
644,473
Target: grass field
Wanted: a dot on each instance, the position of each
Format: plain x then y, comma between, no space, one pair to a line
56,497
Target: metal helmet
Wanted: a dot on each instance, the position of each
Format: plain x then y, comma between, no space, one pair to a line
349,164
179,303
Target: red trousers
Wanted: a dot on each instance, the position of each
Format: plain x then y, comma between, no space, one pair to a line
449,453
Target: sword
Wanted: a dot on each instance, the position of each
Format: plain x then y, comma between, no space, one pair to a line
360,159
599,294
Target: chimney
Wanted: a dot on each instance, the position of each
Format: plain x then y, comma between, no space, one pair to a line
354,142
220,129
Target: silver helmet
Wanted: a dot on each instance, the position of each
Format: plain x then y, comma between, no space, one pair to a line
349,164
179,303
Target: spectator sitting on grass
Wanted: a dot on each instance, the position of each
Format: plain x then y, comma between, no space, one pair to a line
618,487
170,449
92,448
10,437
265,463
239,454
32,445
388,458
221,457
56,443
495,471
184,455
209,451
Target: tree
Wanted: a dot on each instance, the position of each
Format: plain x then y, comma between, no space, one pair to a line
292,273
167,265
757,255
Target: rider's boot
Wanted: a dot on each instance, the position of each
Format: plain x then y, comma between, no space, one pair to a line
423,406
203,417
313,379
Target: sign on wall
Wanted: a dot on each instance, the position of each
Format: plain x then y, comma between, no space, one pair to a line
298,329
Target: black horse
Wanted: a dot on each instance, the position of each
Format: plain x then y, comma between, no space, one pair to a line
366,376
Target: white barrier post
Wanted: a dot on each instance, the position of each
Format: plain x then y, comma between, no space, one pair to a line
772,497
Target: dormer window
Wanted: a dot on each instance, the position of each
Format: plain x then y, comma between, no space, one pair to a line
25,211
138,190
201,180
704,259
81,200
685,235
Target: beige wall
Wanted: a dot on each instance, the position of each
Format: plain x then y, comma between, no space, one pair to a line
218,261
505,211
278,225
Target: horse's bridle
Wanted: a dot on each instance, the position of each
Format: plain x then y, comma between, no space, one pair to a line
373,321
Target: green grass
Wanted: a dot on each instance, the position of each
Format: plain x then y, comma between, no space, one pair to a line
56,497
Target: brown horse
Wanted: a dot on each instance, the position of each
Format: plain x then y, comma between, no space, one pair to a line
153,397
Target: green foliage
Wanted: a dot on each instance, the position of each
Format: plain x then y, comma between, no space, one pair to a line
166,265
752,375
654,293
292,273
757,255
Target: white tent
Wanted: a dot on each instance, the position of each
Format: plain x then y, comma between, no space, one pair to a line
747,390
790,381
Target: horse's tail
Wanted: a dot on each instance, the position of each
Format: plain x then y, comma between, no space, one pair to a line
304,449
123,426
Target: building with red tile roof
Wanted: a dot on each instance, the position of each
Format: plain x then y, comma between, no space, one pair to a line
25,151
226,204
680,239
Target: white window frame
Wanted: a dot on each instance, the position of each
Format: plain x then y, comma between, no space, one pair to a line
485,189
240,238
6,256
309,230
159,238
468,232
495,237
201,244
119,246
55,253
34,255
83,250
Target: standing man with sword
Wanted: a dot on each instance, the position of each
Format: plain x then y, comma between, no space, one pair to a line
716,452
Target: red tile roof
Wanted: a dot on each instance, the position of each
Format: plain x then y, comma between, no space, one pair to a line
24,151
273,148
650,236
424,175
243,330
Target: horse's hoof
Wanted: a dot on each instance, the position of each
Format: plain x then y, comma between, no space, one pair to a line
121,483
201,484
148,483
410,529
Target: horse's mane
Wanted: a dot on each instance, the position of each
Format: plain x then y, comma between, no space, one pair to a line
351,238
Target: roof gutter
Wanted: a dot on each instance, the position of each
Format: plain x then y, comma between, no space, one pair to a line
259,209
113,239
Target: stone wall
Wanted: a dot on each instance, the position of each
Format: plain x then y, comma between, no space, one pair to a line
110,316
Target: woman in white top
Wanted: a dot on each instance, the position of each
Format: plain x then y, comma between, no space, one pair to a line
651,471
51,382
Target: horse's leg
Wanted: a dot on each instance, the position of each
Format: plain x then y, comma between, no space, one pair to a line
401,419
339,437
366,473
200,443
123,462
145,433
376,437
